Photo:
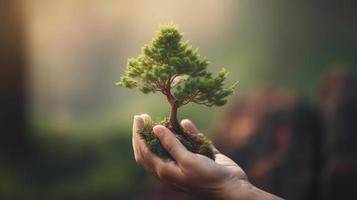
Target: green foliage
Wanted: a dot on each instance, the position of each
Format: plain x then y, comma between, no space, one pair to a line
174,68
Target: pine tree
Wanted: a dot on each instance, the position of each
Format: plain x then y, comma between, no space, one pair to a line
172,67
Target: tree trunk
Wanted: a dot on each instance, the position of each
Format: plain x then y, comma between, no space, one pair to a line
173,123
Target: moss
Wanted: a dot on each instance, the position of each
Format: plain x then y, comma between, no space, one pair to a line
197,143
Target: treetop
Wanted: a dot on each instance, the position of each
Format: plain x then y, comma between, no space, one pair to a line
172,67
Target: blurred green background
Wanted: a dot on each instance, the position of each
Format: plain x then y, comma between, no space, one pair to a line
80,121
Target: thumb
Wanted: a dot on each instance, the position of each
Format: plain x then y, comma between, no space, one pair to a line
171,143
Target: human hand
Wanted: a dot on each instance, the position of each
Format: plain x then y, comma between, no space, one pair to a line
190,172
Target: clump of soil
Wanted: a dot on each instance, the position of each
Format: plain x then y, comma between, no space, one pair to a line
196,143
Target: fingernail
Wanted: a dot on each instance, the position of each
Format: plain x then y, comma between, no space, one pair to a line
138,120
145,117
158,130
186,121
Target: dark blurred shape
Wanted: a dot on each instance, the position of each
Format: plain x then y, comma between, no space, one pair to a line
297,167
245,116
338,104
281,150
13,141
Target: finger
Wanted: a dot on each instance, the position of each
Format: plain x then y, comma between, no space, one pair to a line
189,127
138,142
171,144
150,162
146,118
138,122
214,149
164,170
141,152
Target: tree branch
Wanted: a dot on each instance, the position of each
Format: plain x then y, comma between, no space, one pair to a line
191,97
207,103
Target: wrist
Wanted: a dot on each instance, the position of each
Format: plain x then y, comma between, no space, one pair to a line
233,190
243,190
239,189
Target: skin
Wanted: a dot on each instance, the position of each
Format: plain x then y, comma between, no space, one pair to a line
193,173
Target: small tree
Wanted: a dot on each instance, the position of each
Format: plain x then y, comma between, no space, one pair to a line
171,67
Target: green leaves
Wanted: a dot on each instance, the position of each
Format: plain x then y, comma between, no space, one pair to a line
169,65
205,90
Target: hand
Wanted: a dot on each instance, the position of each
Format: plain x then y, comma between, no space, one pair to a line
193,173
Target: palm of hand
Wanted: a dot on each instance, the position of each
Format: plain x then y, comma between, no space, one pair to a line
202,174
